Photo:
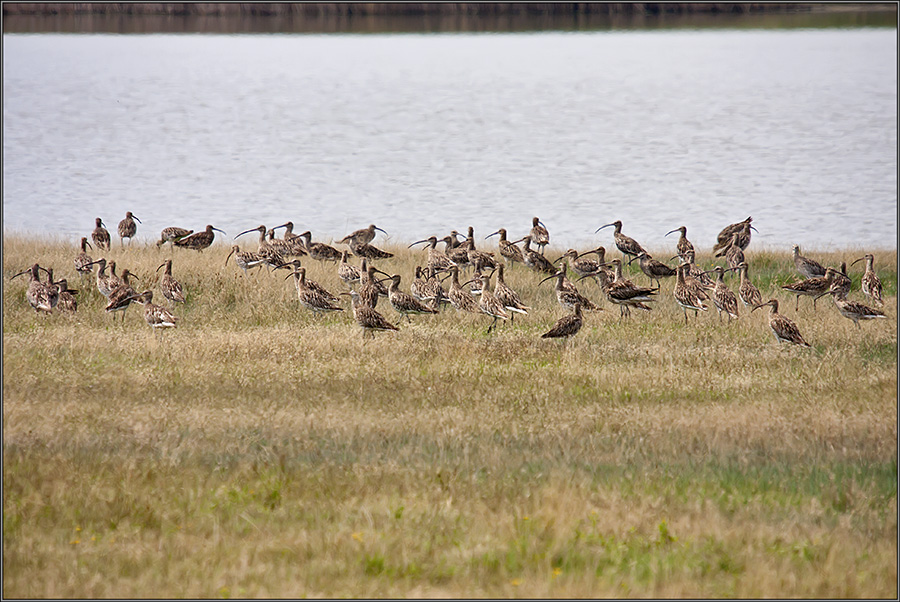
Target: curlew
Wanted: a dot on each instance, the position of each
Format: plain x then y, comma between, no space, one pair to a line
594,268
839,282
749,294
127,228
418,286
742,229
288,230
310,284
437,259
100,235
283,248
319,250
367,251
265,250
83,261
404,303
459,297
367,318
782,327
569,297
688,297
473,255
121,296
434,293
870,283
811,287
625,244
347,272
733,253
113,280
52,288
507,296
67,301
855,311
683,246
172,234
653,269
566,326
490,304
369,287
539,234
37,294
198,240
808,268
155,315
535,260
695,272
244,259
623,292
362,236
312,296
509,251
722,297
171,288
103,282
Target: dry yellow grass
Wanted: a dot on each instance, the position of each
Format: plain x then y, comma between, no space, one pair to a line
263,451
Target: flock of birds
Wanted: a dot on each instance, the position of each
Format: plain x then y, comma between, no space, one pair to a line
693,289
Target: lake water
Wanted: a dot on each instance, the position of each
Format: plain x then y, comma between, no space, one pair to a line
421,134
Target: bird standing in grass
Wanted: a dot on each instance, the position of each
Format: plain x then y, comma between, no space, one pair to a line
566,326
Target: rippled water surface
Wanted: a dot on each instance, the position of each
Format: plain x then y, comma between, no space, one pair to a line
422,134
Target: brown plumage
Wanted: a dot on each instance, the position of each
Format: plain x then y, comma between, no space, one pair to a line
362,236
156,316
855,311
172,234
534,260
312,296
811,287
319,250
507,296
199,240
870,283
490,304
437,259
568,298
347,272
749,294
367,318
244,259
37,294
808,268
686,296
404,303
566,326
722,297
727,234
367,251
539,234
171,288
121,296
625,244
653,269
83,261
460,298
623,292
509,251
369,287
683,246
67,301
127,228
782,327
100,235
733,253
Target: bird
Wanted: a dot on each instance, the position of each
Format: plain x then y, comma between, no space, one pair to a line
597,269
127,228
311,284
83,261
171,288
458,297
266,251
539,234
748,293
535,260
37,294
683,246
509,251
808,268
244,259
67,301
566,326
694,272
490,304
811,287
653,269
347,272
733,253
172,234
52,288
121,296
100,235
369,286
568,298
623,292
870,283
625,244
437,259
855,311
687,297
312,297
782,327
319,250
507,296
722,297
725,236
361,249
104,285
433,292
156,316
404,303
367,318
362,236
199,240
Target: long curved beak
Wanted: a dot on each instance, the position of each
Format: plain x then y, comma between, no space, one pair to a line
242,233
223,231
546,279
88,243
416,243
752,227
226,259
494,234
858,260
20,273
380,230
162,264
671,231
137,218
281,226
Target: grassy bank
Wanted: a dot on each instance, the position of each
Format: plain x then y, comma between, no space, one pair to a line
263,451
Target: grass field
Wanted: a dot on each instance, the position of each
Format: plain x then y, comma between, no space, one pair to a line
259,450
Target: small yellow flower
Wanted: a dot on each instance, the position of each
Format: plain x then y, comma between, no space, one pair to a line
75,541
516,582
77,528
557,572
93,538
357,536
525,518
